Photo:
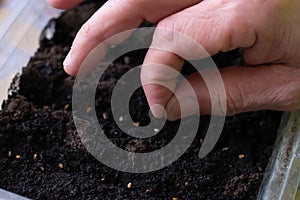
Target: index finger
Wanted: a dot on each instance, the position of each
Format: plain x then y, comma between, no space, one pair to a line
113,17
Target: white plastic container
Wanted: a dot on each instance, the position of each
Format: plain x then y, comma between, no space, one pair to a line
21,23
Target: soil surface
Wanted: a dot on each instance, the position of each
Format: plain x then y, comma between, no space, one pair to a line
42,157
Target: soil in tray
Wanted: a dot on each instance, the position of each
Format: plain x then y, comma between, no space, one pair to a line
42,157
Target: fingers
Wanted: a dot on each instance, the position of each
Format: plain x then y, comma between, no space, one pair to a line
63,4
114,17
247,89
159,82
103,24
194,33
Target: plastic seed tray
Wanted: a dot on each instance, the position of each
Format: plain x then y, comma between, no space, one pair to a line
21,23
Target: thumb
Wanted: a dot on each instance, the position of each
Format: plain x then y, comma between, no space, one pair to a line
275,87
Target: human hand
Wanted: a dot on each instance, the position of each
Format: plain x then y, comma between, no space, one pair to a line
267,30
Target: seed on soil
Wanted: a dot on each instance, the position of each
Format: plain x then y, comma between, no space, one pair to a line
126,60
147,190
225,148
46,107
89,110
42,168
129,185
137,146
102,179
34,156
9,154
136,123
105,116
174,198
18,156
67,106
201,140
241,156
60,165
121,119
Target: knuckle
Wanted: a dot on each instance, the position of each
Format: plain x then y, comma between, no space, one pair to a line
86,30
232,107
163,35
235,101
176,36
175,22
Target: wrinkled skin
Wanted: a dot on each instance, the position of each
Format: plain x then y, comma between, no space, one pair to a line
268,30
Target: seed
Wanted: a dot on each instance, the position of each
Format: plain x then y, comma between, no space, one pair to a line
126,60
67,106
105,115
201,141
34,156
225,148
42,168
89,110
18,156
60,165
129,185
121,119
241,156
175,198
147,190
102,179
136,123
9,154
46,107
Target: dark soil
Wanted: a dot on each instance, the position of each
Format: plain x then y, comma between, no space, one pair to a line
42,157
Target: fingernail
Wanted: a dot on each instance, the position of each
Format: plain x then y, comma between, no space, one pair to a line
181,108
67,61
158,111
